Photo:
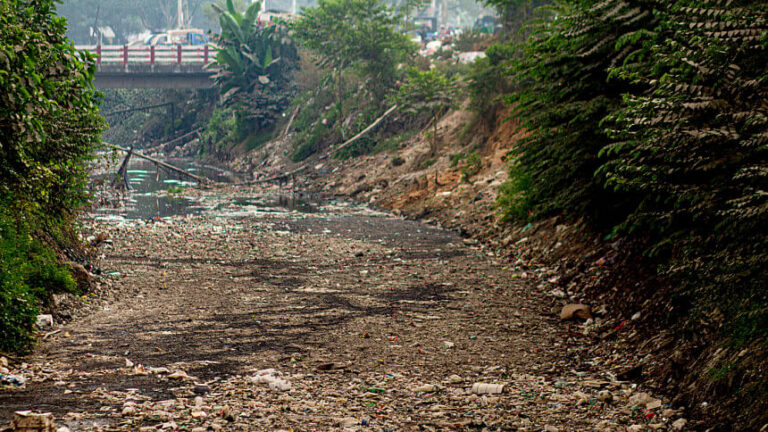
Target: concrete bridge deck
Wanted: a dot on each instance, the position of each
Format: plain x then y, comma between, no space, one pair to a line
180,67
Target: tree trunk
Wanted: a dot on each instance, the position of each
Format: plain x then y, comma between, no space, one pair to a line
434,135
340,98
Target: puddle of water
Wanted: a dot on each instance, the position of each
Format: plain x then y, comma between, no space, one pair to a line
270,204
158,193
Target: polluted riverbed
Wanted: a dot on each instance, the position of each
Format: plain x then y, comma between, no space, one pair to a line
340,319
259,310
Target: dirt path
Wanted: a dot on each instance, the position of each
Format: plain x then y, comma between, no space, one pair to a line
373,322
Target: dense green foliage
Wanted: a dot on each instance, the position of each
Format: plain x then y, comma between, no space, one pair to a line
49,122
428,91
565,93
358,33
649,119
488,78
691,152
358,48
29,275
49,126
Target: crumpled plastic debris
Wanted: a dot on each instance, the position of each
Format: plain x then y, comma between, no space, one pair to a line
271,377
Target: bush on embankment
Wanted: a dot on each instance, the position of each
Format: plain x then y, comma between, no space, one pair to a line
29,274
49,126
648,119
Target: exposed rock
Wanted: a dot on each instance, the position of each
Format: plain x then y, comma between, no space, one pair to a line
578,311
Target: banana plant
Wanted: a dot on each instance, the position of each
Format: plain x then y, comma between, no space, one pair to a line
255,62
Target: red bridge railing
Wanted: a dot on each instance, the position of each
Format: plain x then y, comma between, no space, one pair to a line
152,55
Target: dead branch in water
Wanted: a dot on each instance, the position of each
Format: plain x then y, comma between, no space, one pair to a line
165,165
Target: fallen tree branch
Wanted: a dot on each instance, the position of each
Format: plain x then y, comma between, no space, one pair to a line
122,177
290,122
160,163
343,145
365,131
173,141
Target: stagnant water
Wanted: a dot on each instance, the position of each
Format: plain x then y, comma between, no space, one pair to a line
160,193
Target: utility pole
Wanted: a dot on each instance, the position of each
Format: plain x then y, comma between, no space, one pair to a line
443,15
180,14
95,31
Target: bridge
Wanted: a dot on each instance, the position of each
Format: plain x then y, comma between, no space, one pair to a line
177,66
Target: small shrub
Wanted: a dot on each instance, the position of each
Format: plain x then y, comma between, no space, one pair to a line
473,165
17,315
363,146
472,41
456,158
29,275
304,151
515,198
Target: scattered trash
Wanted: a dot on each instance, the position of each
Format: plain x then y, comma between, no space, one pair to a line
12,380
426,388
579,311
654,404
640,399
482,388
272,379
28,421
557,293
44,321
180,375
413,364
604,396
201,389
227,414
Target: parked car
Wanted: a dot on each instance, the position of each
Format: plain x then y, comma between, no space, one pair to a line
187,37
158,39
178,37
